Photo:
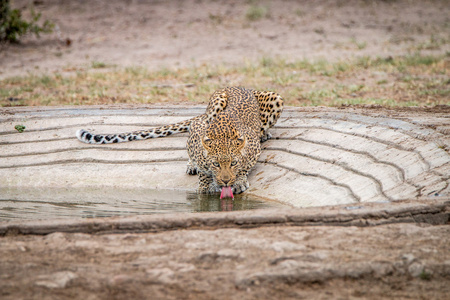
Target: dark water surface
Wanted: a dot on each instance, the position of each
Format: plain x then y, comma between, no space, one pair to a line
49,203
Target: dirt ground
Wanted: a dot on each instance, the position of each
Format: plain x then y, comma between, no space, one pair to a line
376,251
266,263
401,261
188,33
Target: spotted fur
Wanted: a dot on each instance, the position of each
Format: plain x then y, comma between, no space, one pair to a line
224,143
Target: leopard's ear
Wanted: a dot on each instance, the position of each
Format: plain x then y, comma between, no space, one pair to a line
206,142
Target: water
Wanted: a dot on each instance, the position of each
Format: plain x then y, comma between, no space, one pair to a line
52,203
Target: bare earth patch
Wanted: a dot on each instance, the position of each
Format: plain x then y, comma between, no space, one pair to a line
397,250
312,52
189,33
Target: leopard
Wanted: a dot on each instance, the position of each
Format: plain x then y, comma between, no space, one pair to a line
223,144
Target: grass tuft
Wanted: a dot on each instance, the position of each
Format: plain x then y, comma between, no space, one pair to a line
413,80
256,12
98,65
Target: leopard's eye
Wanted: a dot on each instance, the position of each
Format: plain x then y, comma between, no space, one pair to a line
216,164
233,163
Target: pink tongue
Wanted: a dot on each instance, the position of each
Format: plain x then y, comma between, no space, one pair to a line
226,192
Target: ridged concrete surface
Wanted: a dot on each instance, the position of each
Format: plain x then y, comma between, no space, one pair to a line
318,156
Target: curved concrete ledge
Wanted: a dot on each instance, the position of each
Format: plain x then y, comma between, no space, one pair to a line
318,156
435,212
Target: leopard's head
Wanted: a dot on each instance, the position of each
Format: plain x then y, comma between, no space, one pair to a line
225,158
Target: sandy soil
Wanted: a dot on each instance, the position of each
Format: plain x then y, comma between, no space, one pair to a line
185,33
397,250
264,263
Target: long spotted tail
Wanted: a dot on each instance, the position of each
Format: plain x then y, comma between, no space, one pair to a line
90,138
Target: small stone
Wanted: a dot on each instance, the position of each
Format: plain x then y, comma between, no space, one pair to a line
229,254
408,258
164,275
382,269
57,280
415,269
287,246
57,239
120,279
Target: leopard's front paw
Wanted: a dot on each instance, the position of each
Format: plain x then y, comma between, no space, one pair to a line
208,189
206,184
240,186
265,137
191,169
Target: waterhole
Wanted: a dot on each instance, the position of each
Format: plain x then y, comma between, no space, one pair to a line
50,203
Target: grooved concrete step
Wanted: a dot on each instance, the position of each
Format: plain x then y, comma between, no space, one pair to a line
318,156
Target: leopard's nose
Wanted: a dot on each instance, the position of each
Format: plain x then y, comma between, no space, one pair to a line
225,181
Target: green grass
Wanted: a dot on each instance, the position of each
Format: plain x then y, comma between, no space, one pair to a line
413,80
300,12
424,275
256,12
98,65
358,44
434,43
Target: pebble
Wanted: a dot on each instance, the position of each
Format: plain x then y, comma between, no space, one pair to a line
56,280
